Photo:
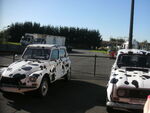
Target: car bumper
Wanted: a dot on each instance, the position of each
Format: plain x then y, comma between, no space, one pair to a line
16,89
124,105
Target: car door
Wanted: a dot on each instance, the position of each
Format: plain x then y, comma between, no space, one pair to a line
55,64
64,61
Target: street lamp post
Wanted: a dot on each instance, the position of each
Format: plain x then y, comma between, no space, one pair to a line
131,24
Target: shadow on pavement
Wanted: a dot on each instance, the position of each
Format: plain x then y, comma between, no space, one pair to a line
64,97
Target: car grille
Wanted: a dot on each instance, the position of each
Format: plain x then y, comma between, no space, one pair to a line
9,81
136,93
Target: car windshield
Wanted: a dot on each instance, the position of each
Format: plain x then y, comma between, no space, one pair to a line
134,60
36,53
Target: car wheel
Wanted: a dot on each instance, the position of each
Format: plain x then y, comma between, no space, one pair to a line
7,93
109,109
43,89
67,76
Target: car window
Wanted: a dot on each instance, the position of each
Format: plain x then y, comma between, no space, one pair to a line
62,53
36,53
134,61
55,54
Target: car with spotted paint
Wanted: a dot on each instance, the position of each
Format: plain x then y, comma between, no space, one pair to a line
39,66
129,82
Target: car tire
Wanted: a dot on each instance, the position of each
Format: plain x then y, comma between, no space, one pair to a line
67,76
7,93
109,109
43,89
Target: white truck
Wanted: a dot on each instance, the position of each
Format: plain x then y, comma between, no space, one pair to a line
42,39
40,65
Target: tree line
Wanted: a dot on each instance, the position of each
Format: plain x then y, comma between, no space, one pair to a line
75,36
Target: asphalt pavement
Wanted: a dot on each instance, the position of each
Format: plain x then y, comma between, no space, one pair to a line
84,93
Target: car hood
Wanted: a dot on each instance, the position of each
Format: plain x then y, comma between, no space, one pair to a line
24,67
130,77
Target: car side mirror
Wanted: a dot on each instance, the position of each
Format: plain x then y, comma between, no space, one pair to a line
16,55
119,65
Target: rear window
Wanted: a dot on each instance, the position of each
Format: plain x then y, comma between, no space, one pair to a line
134,60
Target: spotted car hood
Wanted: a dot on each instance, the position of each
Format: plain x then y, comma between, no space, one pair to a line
23,67
137,78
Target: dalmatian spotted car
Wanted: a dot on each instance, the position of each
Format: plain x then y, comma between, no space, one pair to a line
40,65
129,82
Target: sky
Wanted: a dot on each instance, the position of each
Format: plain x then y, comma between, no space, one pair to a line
110,17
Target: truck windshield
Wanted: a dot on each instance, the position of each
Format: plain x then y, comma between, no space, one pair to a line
134,61
34,53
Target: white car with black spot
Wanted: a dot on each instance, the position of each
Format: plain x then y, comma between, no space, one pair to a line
129,82
40,65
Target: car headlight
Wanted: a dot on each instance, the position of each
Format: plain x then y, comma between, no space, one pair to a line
34,77
121,93
1,71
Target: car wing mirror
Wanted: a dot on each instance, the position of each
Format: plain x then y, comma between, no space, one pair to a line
16,55
119,65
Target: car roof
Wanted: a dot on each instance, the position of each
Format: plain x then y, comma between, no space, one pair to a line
45,45
133,51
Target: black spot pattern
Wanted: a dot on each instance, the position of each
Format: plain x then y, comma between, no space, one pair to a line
67,65
114,80
11,75
126,82
120,77
36,75
45,67
53,70
135,83
121,71
128,75
34,64
144,53
26,68
115,74
41,67
145,76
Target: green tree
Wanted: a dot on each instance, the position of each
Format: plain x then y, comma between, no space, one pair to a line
76,37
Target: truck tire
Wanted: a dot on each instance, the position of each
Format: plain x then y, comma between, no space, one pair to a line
43,89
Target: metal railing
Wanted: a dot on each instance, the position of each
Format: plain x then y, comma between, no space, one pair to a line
83,66
87,66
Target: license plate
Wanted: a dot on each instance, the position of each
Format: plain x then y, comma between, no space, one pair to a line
137,101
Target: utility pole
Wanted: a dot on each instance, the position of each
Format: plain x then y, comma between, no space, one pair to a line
131,24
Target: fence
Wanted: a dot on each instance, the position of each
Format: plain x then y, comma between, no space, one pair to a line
83,66
5,60
11,48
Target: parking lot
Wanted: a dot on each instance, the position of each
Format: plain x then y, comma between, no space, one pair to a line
84,93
